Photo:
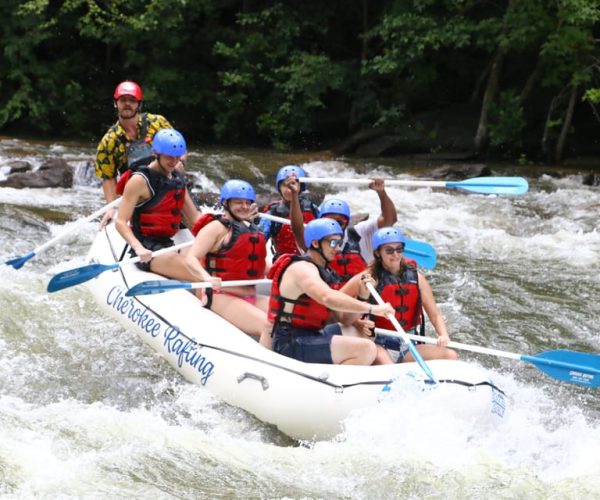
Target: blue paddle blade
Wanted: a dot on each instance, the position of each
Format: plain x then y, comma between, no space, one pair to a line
492,185
78,275
579,368
423,253
18,262
156,286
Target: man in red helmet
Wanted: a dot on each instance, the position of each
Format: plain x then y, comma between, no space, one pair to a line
127,144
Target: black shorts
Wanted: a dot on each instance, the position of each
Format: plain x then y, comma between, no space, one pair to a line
152,244
310,346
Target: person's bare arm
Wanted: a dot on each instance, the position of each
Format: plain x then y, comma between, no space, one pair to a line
433,312
296,216
207,240
136,191
109,188
388,216
189,211
309,282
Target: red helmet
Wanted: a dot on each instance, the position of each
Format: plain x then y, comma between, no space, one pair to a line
128,88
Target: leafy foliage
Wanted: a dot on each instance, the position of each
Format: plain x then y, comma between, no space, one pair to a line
295,74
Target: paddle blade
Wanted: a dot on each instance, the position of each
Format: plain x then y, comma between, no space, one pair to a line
579,368
156,286
18,262
423,253
492,185
76,276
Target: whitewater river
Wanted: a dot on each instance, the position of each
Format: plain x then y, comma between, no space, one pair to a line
88,411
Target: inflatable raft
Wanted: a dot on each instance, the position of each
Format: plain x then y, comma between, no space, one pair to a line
305,401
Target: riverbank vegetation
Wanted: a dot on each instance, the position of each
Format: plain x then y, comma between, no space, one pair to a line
514,78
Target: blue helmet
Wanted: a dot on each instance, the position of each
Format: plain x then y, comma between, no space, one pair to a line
318,229
387,235
236,188
167,141
286,171
334,206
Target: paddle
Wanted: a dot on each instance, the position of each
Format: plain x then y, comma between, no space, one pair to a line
18,262
82,274
160,286
481,185
411,347
574,367
421,252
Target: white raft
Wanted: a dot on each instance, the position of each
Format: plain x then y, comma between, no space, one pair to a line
305,401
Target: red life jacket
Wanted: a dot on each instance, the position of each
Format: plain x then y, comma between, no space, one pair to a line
160,215
402,292
282,236
243,257
306,312
349,262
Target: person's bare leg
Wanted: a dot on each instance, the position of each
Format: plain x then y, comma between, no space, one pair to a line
248,318
429,352
382,356
171,265
352,350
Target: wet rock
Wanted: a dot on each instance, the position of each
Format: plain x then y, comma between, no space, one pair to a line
54,172
591,180
460,172
17,166
203,199
380,145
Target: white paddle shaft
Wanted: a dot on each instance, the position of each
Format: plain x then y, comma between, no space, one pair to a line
454,345
274,218
78,224
206,284
366,182
160,252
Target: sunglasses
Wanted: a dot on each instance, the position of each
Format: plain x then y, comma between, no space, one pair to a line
333,243
392,250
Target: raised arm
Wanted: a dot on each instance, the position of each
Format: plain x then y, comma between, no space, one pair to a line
388,216
296,216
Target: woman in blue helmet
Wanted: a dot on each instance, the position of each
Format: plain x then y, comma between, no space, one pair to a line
230,247
356,248
281,235
302,302
399,282
155,202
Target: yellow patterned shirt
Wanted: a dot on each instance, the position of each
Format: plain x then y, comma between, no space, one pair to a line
111,155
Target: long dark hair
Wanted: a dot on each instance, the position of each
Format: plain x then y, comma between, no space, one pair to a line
375,267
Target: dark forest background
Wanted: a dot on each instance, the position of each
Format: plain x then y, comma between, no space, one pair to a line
512,79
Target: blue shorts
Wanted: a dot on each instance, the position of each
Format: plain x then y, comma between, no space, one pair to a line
310,346
394,344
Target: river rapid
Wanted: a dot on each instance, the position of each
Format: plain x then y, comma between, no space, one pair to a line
88,411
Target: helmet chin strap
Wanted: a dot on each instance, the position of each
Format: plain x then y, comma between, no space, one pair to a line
163,169
320,252
226,206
